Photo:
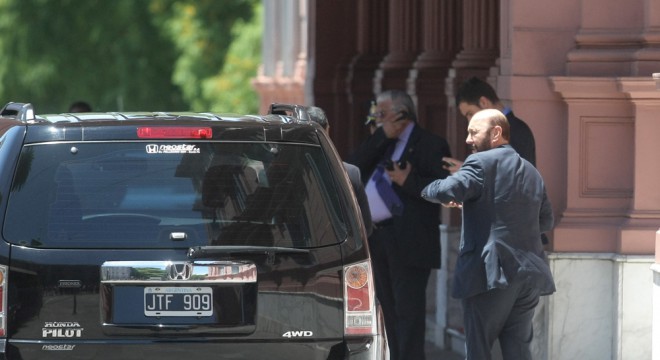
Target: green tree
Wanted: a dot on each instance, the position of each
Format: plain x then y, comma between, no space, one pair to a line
202,31
122,55
231,89
56,52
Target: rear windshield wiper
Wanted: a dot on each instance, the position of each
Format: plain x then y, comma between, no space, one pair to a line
197,252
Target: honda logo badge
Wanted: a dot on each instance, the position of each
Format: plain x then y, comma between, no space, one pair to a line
152,149
179,271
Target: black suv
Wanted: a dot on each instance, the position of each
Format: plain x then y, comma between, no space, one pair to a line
180,235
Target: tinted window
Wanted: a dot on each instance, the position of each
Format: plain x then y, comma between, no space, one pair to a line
155,195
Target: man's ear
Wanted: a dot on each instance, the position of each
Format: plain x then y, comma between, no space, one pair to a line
484,103
496,134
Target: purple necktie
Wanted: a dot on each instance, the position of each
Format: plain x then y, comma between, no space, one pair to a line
390,198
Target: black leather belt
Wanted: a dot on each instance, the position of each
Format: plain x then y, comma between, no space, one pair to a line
384,223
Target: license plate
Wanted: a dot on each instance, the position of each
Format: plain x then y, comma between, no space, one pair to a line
178,301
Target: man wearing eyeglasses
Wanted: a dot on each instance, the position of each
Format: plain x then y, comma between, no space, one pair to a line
396,162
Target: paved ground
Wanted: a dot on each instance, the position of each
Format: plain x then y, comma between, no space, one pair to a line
433,353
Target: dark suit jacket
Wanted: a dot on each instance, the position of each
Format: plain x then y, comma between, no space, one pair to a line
522,139
505,209
360,195
416,230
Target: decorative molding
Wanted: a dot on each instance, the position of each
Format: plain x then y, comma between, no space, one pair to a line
596,214
614,257
613,38
597,180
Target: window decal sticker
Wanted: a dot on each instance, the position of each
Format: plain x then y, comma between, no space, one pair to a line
172,149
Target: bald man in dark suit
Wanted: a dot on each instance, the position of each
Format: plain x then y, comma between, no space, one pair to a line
501,269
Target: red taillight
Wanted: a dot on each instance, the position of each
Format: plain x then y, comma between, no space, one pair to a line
359,300
3,300
174,132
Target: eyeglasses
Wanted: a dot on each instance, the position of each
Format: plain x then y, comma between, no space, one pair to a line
381,114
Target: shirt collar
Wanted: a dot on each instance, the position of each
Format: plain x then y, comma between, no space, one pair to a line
405,135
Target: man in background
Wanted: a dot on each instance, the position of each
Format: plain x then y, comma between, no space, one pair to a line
80,106
474,95
318,116
397,161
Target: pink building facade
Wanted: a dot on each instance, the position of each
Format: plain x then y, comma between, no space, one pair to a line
579,72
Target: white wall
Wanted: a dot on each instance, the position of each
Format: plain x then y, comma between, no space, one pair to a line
602,308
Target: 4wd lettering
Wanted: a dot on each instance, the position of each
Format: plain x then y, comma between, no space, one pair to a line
61,330
291,334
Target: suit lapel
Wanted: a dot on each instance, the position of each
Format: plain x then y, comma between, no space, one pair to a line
411,145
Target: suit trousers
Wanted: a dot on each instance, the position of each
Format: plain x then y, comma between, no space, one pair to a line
401,292
504,314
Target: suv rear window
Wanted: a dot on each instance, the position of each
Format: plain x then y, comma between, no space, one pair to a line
173,195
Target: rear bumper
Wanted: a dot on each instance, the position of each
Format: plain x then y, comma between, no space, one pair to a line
367,348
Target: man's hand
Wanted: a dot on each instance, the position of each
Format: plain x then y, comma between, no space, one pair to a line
450,164
399,175
392,125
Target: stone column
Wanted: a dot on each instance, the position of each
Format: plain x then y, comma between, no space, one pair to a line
332,45
480,51
441,30
282,74
637,235
371,35
613,204
601,136
608,38
404,45
647,60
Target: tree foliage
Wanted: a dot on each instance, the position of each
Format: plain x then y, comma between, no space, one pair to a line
122,55
203,31
228,89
